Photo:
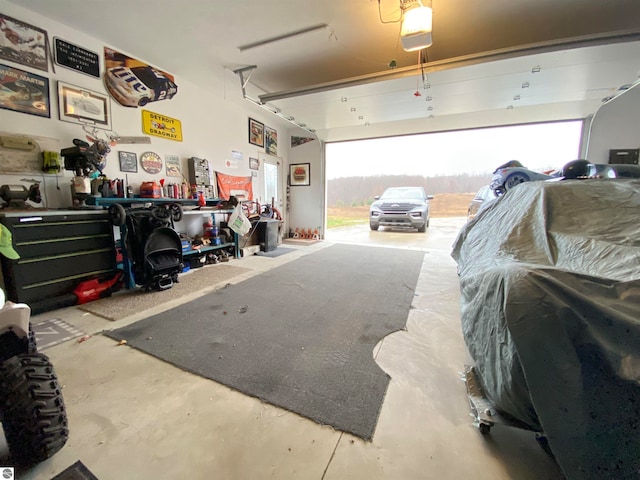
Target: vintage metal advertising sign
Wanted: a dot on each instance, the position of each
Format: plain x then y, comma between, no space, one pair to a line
161,126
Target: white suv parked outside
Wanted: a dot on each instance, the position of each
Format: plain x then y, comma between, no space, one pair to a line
401,207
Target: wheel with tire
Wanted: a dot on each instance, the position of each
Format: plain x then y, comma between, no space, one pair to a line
117,214
484,428
374,227
515,179
176,211
32,411
423,228
160,213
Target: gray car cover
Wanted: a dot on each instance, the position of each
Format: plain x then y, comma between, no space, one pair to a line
550,309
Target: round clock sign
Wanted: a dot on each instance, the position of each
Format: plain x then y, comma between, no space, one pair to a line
151,162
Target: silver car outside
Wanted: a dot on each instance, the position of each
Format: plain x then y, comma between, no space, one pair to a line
484,196
401,207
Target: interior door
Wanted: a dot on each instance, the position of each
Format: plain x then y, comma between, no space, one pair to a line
271,182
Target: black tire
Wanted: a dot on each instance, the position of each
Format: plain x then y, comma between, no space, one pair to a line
374,227
32,411
161,214
515,179
176,211
484,428
143,101
117,214
423,228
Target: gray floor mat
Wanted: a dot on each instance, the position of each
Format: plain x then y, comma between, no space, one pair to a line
300,336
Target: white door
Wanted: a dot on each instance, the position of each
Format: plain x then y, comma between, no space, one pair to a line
272,182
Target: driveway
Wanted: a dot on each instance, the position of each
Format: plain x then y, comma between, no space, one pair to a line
439,236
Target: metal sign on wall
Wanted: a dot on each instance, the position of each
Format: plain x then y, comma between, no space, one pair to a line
161,126
76,58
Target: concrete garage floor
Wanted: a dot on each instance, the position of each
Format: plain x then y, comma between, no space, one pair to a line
132,416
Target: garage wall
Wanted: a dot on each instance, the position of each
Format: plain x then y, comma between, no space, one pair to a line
615,126
307,203
214,120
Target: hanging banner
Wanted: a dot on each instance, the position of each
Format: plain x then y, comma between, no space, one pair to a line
239,187
161,126
296,141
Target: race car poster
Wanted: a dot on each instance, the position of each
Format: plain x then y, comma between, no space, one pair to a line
172,165
82,106
133,83
23,43
24,92
239,187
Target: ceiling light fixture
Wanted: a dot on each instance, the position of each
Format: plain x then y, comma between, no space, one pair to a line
416,26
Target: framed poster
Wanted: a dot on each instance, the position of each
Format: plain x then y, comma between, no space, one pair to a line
24,92
128,162
299,174
172,165
256,133
254,163
271,141
79,105
23,43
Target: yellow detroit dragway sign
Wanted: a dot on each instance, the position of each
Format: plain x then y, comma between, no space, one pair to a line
161,126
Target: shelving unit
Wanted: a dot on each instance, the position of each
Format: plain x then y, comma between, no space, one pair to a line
210,208
106,201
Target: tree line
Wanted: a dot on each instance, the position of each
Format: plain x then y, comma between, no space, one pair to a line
357,191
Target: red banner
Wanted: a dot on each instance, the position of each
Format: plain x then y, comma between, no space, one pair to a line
239,187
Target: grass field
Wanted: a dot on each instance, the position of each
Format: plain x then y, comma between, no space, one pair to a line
442,205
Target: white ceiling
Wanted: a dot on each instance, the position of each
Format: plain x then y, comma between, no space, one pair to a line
482,54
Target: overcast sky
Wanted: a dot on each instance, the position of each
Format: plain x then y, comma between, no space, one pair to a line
538,147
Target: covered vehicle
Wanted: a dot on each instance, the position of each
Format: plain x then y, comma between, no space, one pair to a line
401,207
137,86
550,311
